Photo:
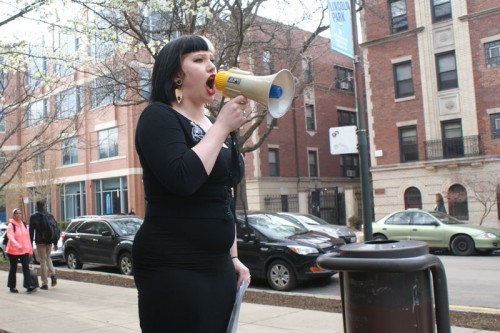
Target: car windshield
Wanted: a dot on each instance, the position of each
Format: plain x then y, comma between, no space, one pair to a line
275,226
445,218
311,219
126,226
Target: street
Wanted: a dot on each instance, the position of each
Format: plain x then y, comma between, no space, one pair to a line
472,281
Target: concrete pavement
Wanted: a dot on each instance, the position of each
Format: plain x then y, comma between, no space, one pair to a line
85,307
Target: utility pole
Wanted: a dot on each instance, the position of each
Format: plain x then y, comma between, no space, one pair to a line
366,188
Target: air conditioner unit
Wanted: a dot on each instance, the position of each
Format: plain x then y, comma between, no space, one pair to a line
344,85
350,173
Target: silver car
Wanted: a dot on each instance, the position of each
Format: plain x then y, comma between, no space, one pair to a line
3,230
314,223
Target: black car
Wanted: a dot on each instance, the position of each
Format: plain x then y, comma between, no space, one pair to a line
281,251
105,240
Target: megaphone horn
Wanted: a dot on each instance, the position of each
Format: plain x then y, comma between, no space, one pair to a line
274,91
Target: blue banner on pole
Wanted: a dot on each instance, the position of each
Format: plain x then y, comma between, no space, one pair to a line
341,27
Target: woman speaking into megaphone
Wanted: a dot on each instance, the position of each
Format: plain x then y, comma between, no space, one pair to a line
186,265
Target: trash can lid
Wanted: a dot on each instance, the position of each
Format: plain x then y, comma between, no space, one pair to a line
384,249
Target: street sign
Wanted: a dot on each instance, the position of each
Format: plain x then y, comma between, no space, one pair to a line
343,140
341,27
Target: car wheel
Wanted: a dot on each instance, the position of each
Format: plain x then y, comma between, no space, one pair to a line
73,261
462,246
125,264
280,276
379,238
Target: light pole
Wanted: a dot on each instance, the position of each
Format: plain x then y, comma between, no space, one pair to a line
366,188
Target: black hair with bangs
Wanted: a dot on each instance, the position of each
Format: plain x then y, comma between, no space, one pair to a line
168,65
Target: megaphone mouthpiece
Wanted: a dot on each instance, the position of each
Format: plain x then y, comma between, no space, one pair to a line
274,91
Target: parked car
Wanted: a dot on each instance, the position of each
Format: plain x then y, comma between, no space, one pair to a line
438,230
311,222
3,230
105,240
281,251
55,255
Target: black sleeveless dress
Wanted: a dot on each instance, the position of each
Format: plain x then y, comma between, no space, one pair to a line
182,268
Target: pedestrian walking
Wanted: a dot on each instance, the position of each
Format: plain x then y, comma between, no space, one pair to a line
42,234
18,249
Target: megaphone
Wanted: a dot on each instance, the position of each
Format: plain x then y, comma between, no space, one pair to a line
274,91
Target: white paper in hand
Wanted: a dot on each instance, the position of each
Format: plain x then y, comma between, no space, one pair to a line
233,322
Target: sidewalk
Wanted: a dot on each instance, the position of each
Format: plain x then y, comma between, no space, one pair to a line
84,307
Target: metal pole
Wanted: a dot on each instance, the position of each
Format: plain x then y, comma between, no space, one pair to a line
362,132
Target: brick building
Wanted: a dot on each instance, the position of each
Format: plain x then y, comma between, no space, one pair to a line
95,169
432,70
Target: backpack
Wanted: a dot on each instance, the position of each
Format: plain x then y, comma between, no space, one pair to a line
50,230
5,238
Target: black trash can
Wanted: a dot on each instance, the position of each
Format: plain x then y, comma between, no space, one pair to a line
386,287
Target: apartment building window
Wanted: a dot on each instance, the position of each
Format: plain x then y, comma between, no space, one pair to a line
70,151
66,45
68,103
413,198
72,198
495,125
37,112
2,76
344,79
310,117
101,39
153,23
3,162
274,162
492,54
349,164
36,66
441,10
313,163
145,83
111,196
446,71
453,142
39,161
408,144
346,118
105,91
266,61
108,143
307,69
457,202
2,120
399,15
404,79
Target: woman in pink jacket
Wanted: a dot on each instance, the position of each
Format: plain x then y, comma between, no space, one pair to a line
18,249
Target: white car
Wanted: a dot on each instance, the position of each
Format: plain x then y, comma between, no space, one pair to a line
314,223
3,230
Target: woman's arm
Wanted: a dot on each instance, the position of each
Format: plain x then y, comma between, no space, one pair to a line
229,119
242,272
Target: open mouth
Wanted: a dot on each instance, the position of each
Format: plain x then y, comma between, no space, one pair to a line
211,84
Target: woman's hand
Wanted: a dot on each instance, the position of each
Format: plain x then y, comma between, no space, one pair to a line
233,113
242,272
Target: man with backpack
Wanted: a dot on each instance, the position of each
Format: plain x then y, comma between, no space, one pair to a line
45,233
